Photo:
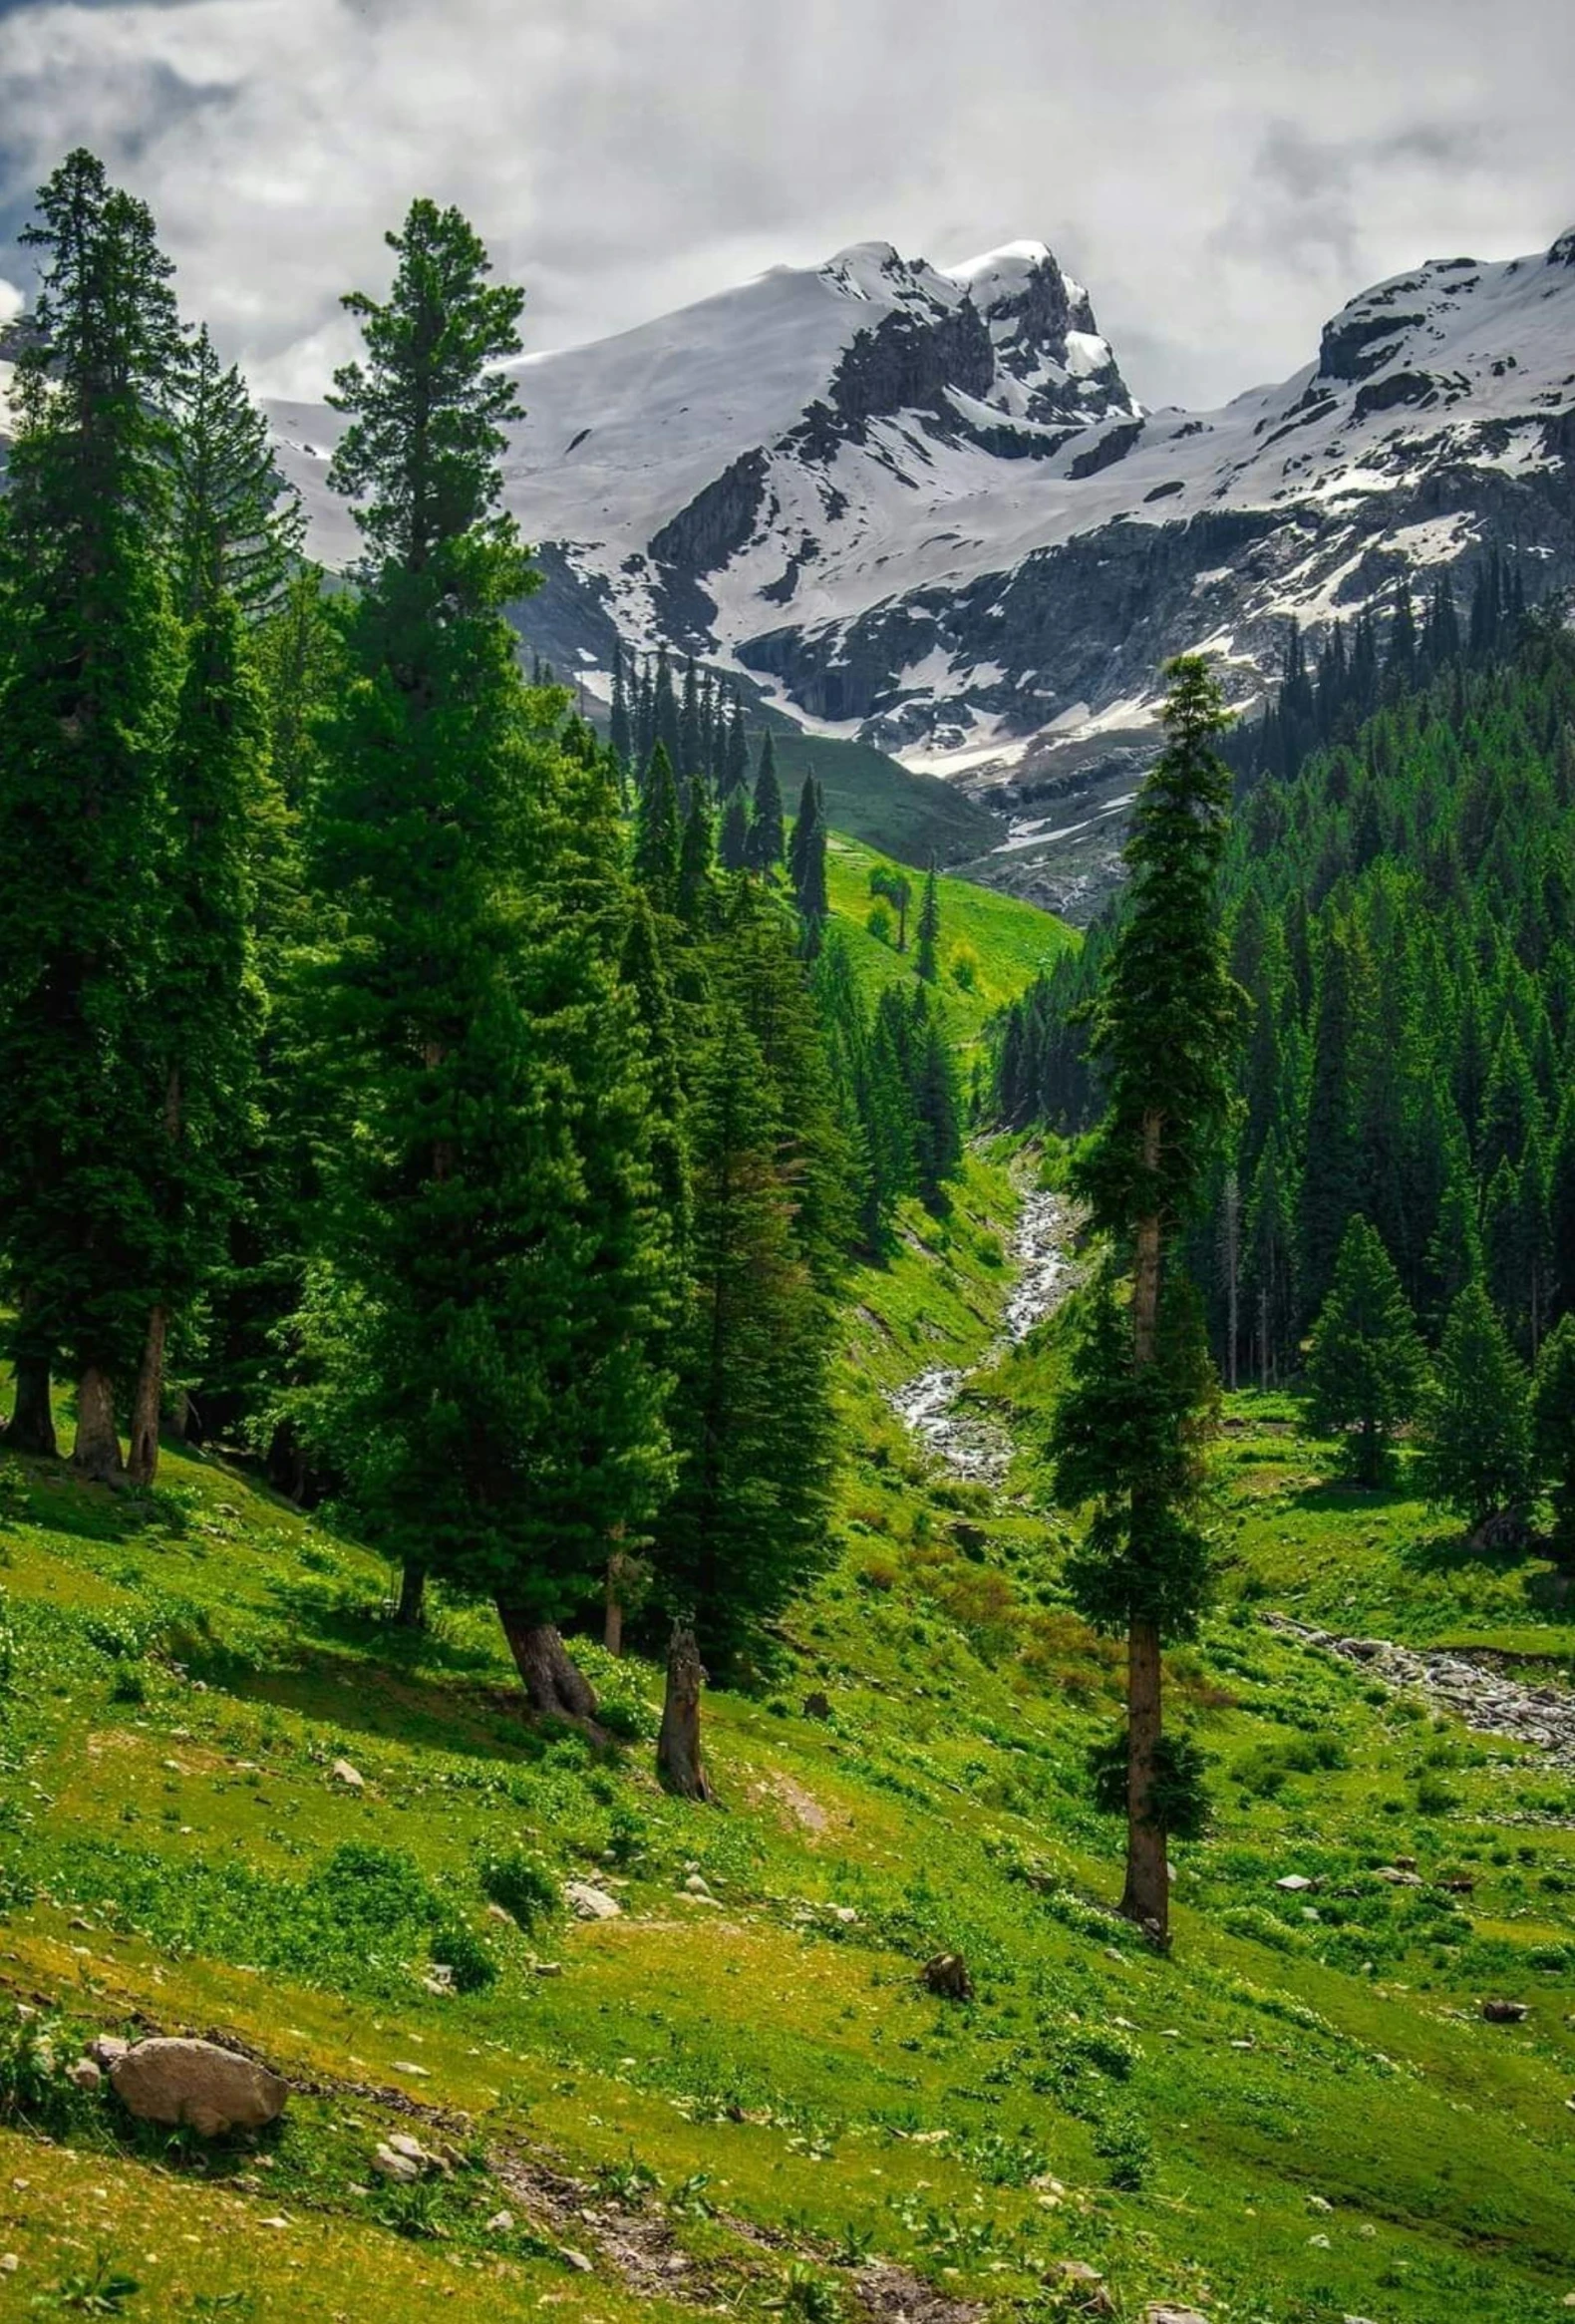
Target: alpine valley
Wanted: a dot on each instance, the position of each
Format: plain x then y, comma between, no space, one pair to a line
920,507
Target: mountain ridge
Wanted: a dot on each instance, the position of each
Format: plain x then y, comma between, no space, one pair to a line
920,507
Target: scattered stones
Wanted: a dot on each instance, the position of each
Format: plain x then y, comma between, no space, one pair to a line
500,2223
9,2263
409,2066
398,2167
843,1913
404,2159
1506,2013
343,1772
1398,1877
1316,2202
87,2073
946,1975
1319,2243
587,1902
1477,1691
209,2088
1294,1883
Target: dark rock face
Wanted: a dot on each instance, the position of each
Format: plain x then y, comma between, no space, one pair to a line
1355,345
718,521
908,362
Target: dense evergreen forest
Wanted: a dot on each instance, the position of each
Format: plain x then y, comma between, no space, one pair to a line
469,1115
1399,891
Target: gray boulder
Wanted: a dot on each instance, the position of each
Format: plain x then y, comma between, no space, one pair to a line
198,2084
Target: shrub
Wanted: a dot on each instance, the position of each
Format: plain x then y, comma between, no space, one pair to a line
472,1966
520,1882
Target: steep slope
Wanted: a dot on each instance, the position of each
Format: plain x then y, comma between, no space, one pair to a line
737,2089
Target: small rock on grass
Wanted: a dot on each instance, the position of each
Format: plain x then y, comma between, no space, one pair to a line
590,1904
87,2073
1506,2013
1159,2313
352,1777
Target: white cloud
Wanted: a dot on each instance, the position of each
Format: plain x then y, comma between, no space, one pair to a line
11,301
1222,173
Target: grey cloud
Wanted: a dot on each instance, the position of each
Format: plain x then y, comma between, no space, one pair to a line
1220,173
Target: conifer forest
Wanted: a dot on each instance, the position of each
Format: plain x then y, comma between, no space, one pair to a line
738,1575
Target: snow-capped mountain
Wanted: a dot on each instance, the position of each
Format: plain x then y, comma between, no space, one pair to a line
920,505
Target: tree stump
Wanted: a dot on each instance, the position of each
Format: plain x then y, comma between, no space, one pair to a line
679,1761
946,1976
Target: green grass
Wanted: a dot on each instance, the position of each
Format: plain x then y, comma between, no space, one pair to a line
1003,941
1291,2120
906,814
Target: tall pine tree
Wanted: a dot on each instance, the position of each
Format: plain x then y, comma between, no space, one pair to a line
1126,1436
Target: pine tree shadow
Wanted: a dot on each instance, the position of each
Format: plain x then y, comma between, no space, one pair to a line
1340,1495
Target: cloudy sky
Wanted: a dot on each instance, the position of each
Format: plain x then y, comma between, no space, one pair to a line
1222,173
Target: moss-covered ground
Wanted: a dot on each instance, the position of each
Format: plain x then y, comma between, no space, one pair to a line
1301,2115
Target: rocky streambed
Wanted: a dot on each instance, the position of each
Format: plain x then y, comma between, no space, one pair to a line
934,1405
1476,1687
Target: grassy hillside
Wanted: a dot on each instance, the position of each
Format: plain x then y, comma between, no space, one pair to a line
1003,940
906,814
738,2091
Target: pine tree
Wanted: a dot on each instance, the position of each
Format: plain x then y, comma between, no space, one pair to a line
1269,1264
1476,1423
657,838
733,848
207,999
766,836
807,861
1365,1368
750,1415
1126,1438
1553,1410
89,700
926,952
691,758
695,855
736,755
937,1109
1332,1180
238,528
620,733
497,1271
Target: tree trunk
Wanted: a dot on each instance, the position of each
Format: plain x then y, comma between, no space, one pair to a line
410,1609
96,1452
142,1460
612,1622
1146,1896
32,1427
554,1687
679,1764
